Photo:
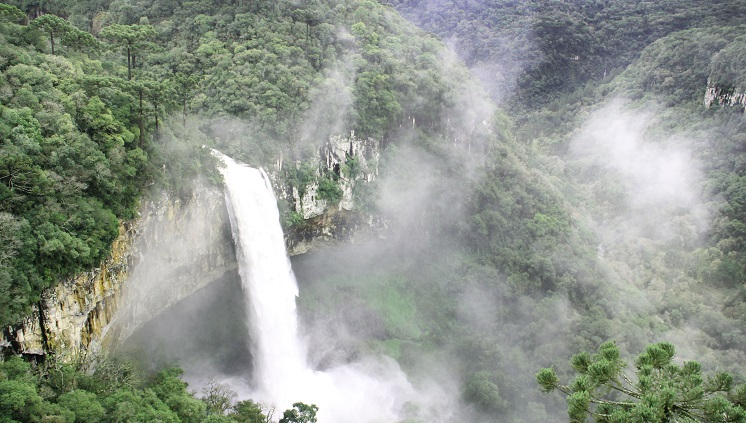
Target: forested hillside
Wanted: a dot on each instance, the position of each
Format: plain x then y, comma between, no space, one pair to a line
613,109
539,51
603,201
79,121
72,157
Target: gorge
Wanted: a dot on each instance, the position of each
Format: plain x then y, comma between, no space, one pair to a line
468,196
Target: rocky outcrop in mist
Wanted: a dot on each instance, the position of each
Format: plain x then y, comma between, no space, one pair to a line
349,162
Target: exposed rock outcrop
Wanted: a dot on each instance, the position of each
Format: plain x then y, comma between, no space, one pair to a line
724,95
349,162
174,248
181,246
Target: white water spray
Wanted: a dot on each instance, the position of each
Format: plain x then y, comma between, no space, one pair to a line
373,390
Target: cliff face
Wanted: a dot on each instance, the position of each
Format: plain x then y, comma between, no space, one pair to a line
350,163
724,96
72,317
179,245
175,247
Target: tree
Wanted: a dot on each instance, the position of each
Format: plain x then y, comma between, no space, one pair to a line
482,391
56,26
660,391
300,413
218,397
11,14
84,404
249,411
184,85
131,37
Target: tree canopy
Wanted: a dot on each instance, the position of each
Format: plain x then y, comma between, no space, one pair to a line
659,391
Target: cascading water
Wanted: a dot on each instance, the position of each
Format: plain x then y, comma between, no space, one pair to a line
366,391
268,281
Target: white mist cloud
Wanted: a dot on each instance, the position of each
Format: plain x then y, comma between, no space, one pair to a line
330,107
649,181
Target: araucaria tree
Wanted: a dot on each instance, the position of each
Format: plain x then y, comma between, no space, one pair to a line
55,26
132,38
659,391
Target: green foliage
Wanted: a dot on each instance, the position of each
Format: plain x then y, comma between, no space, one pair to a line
84,404
170,389
132,38
118,391
291,218
661,391
300,413
11,14
248,411
483,392
554,48
329,190
55,26
300,176
256,78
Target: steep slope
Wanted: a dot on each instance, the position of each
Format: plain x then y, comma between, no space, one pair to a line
506,245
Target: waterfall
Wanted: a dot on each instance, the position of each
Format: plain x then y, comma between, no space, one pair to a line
371,390
268,281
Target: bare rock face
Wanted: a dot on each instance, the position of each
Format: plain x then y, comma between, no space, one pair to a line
174,248
724,96
181,246
350,163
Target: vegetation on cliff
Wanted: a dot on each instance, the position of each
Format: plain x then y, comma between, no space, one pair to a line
79,121
71,160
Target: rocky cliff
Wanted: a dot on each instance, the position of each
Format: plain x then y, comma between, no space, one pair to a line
72,317
724,95
350,163
181,246
175,247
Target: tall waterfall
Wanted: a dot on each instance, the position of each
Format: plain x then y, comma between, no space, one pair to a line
268,281
373,390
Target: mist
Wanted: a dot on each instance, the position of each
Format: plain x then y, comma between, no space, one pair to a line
648,182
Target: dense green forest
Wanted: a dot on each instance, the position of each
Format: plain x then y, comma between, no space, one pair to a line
73,160
251,74
530,52
120,392
603,201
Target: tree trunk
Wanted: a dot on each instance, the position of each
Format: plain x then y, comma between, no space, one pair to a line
142,127
154,100
129,64
51,41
